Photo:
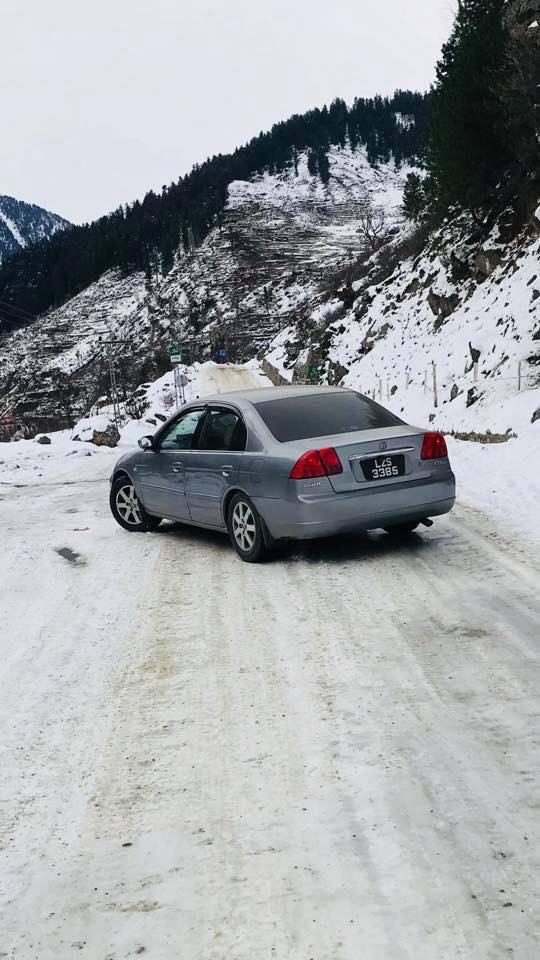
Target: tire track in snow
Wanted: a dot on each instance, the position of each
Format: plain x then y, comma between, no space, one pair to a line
332,755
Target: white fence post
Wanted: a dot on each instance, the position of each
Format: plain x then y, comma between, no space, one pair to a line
435,394
519,377
475,377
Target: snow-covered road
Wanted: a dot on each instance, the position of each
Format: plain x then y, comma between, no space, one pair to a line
333,755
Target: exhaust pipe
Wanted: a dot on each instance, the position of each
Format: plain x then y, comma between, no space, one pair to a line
427,523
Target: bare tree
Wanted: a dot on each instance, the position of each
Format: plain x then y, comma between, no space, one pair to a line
373,228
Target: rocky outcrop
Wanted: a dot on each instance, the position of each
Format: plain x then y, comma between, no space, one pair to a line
336,373
442,307
486,262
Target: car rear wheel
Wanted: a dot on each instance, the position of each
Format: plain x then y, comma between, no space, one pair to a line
246,529
127,509
401,529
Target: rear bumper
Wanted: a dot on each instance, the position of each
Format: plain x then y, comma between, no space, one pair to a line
307,519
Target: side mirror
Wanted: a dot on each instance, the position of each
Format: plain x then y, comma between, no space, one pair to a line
146,443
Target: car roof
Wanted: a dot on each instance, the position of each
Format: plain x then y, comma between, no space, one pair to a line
245,397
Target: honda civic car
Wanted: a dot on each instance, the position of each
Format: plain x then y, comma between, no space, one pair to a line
284,463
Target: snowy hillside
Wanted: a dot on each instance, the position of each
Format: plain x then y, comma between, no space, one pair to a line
461,317
285,276
24,223
265,264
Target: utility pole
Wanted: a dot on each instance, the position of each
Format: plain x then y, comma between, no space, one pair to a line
117,416
111,366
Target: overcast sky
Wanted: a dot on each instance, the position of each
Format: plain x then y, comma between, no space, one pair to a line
102,100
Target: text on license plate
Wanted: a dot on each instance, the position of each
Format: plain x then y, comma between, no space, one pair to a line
383,468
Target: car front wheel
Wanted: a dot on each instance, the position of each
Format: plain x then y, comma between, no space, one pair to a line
127,509
246,529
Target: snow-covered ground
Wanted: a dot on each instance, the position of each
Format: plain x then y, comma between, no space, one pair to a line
334,755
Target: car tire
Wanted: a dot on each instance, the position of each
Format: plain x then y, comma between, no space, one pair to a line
402,529
127,509
246,529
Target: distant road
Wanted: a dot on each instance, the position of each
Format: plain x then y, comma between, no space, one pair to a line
225,377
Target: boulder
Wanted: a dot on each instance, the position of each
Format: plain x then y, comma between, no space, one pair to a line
459,268
99,430
486,261
536,415
41,438
413,287
106,438
454,392
442,307
336,373
475,354
472,396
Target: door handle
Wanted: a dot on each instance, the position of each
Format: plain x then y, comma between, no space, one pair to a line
226,469
177,467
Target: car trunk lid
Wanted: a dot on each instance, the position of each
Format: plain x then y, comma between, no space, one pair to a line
375,458
378,458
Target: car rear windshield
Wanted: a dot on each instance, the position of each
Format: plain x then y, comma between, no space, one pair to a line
322,415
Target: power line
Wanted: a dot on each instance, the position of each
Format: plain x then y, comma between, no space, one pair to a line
10,306
15,321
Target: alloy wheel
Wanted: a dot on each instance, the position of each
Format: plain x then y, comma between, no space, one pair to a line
243,524
128,506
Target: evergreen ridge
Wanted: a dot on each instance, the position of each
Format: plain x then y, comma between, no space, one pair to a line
146,235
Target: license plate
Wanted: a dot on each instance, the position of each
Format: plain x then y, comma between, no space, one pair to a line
383,468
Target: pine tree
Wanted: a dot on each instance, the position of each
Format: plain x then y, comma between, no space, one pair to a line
414,198
324,165
312,164
469,141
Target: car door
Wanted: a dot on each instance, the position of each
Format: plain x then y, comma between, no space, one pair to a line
162,472
214,463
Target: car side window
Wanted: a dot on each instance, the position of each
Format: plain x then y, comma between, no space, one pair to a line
222,430
180,434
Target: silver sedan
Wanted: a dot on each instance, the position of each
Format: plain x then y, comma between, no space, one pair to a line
284,463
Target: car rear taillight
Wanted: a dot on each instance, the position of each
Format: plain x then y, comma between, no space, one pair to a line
317,463
434,447
331,462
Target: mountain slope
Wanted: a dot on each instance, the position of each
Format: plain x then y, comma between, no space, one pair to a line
458,302
279,243
147,235
22,224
